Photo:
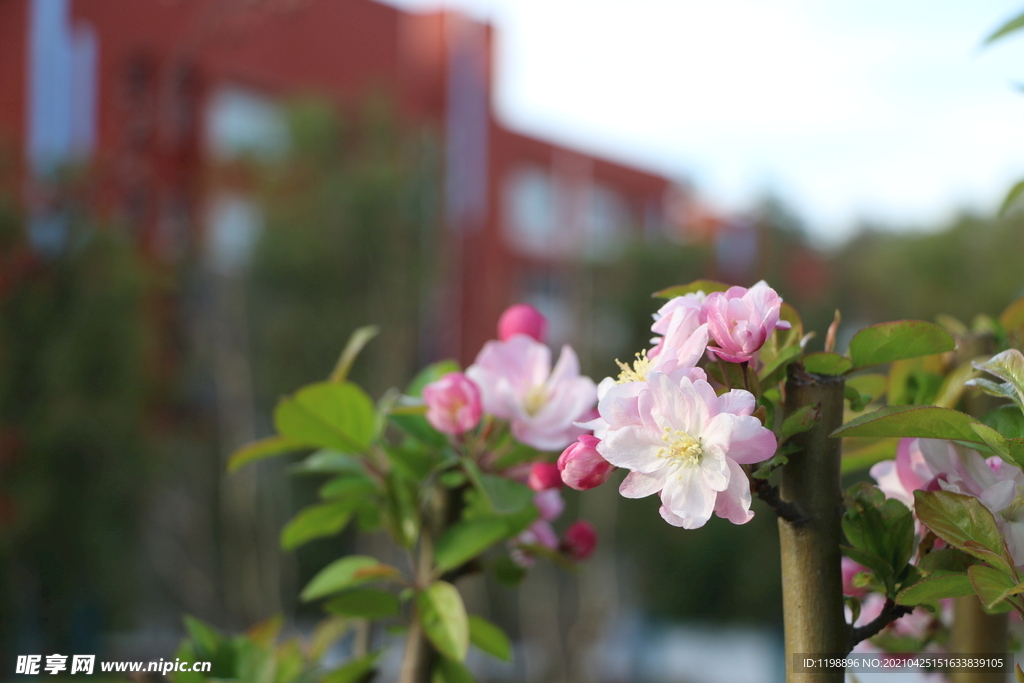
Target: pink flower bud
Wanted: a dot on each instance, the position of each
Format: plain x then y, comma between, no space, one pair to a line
549,503
522,319
544,475
580,540
740,320
582,467
453,403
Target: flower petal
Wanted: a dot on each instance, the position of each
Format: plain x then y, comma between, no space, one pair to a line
742,438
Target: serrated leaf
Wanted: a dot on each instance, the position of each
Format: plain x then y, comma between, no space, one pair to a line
489,638
1009,367
364,603
339,416
467,539
946,559
444,620
992,585
963,522
928,422
355,344
800,421
933,589
263,448
345,573
706,286
316,521
354,671
824,363
888,342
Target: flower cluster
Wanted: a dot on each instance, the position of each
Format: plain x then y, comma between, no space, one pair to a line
933,465
662,419
512,381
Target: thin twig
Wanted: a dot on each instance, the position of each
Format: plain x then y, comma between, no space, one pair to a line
890,613
770,495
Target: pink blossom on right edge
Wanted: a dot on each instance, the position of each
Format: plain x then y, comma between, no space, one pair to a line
740,320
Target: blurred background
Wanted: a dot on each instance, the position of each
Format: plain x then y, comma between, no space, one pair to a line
201,199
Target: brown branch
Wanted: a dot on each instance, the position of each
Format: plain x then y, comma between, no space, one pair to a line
770,495
890,613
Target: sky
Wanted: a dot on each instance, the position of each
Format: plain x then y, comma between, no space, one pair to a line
893,113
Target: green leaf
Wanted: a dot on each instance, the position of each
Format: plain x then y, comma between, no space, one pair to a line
263,448
888,342
775,364
935,588
946,560
418,428
339,416
316,521
928,422
505,495
365,603
354,671
345,573
706,286
429,374
467,539
800,421
822,363
205,639
992,585
508,572
326,461
489,638
882,527
349,488
444,620
450,671
355,344
963,522
1009,367
1010,26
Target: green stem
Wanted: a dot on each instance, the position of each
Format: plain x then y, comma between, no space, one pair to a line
812,591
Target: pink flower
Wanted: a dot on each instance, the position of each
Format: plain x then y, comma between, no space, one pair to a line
676,322
580,540
543,476
549,503
517,384
522,319
688,444
740,320
453,404
581,466
539,533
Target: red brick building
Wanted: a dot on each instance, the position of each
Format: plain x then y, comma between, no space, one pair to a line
149,90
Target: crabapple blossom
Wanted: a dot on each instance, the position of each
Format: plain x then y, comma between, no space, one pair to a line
580,540
580,465
740,320
542,404
677,321
453,404
522,319
918,464
543,476
688,444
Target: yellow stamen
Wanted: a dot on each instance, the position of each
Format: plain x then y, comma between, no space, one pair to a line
637,373
681,447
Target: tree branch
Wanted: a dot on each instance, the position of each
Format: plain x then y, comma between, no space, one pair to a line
890,613
770,495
